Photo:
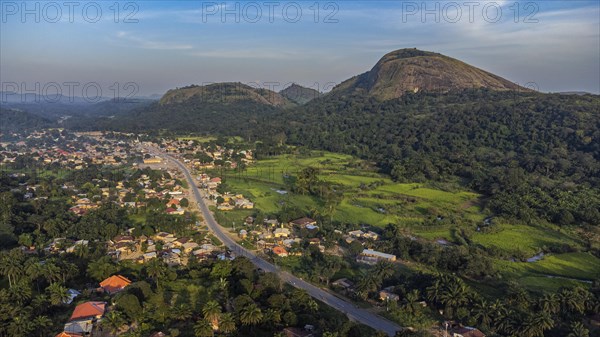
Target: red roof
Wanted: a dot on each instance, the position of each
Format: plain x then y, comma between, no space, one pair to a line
114,284
279,250
170,210
303,221
69,334
88,310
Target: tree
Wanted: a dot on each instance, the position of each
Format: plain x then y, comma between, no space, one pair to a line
156,269
113,321
58,294
202,328
227,324
212,313
101,268
11,265
578,330
42,323
251,315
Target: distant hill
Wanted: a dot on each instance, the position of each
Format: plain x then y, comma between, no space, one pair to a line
413,70
224,93
11,120
299,94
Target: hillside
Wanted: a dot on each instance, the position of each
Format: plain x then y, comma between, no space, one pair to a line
412,70
223,93
12,119
299,94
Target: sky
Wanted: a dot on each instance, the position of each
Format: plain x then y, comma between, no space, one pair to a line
148,47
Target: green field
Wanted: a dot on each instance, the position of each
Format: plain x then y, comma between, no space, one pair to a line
426,211
369,198
554,271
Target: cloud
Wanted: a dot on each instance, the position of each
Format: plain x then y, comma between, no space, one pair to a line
144,43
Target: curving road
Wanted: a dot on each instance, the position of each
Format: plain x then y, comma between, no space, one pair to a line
353,313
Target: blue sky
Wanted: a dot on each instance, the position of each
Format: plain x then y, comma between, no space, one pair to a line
554,44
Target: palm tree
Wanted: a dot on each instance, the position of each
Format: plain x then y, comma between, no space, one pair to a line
58,294
51,272
482,312
272,317
202,328
227,324
34,270
578,330
251,315
550,303
20,292
434,291
156,269
411,301
368,283
383,269
453,297
113,321
11,265
20,327
182,312
212,313
42,323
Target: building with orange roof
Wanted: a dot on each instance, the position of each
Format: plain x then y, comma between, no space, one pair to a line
88,310
114,284
69,334
280,251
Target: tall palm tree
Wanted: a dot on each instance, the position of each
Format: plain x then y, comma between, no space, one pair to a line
212,313
58,294
202,328
181,312
11,265
383,270
578,330
453,297
20,292
251,315
51,272
434,291
113,321
550,303
156,269
273,316
411,301
20,327
42,323
227,324
482,312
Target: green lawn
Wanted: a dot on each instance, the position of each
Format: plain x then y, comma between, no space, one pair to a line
526,239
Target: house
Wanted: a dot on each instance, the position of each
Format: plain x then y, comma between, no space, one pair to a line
280,251
370,256
386,295
303,222
69,334
114,284
468,331
72,294
188,247
343,283
356,233
88,310
281,232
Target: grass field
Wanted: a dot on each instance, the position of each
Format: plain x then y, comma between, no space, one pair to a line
526,239
427,212
554,271
369,198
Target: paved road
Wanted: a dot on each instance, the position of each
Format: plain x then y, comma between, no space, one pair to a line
354,313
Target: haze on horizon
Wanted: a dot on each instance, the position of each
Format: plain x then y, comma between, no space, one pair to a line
166,44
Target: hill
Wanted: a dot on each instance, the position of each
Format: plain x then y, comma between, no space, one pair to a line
412,70
299,94
12,120
223,93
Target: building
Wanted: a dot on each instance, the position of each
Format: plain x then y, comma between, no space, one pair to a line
370,256
84,317
114,284
69,334
280,251
303,222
